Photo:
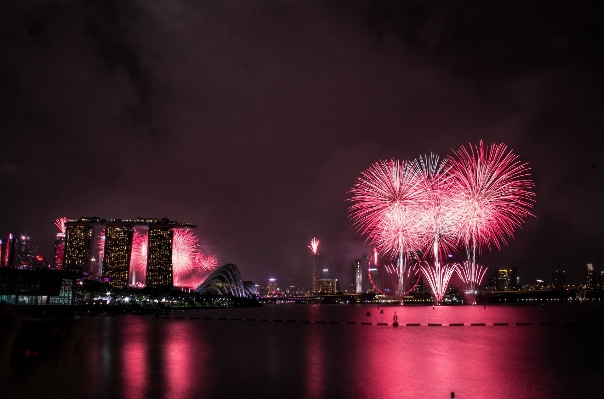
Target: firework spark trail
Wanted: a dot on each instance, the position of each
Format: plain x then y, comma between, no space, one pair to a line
314,245
470,273
439,219
491,189
60,223
386,199
437,276
138,257
188,261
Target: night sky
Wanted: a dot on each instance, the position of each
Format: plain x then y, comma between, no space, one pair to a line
252,119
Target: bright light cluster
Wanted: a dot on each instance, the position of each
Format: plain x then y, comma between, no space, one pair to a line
188,262
60,223
314,245
423,209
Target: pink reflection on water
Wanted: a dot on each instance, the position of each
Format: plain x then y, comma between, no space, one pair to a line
183,356
135,361
315,367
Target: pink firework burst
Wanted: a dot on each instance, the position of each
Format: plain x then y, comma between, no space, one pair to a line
314,245
491,190
438,219
467,275
138,257
188,262
386,199
60,223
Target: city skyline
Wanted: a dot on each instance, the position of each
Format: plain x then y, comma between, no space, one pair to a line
255,131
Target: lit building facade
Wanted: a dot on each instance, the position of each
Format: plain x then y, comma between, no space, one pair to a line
272,285
506,279
59,251
328,286
357,277
316,269
590,277
7,256
559,279
78,245
116,261
159,260
105,248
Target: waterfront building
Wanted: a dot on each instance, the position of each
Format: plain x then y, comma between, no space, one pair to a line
506,279
590,277
116,257
316,271
7,257
559,279
78,245
357,277
159,260
104,248
328,286
21,252
59,251
272,285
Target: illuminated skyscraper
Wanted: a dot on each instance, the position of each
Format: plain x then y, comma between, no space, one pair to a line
116,261
506,279
78,245
59,250
316,271
9,250
590,276
159,261
21,252
272,285
357,277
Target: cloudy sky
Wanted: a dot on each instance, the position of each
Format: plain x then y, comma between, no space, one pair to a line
252,119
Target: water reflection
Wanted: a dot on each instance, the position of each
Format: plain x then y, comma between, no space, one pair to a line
136,357
135,361
184,353
315,366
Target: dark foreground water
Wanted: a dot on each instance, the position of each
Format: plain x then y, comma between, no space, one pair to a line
301,351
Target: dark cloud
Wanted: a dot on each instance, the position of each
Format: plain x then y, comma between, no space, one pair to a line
252,120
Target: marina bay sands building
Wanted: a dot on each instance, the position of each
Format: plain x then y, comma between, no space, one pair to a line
124,252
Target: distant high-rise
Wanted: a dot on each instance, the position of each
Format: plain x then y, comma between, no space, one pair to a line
316,268
357,277
9,250
21,251
559,279
116,261
590,276
317,261
159,260
78,244
328,286
506,279
272,285
59,250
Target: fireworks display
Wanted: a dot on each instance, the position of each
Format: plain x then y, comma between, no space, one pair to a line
314,245
138,257
427,208
60,223
189,264
388,198
491,192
